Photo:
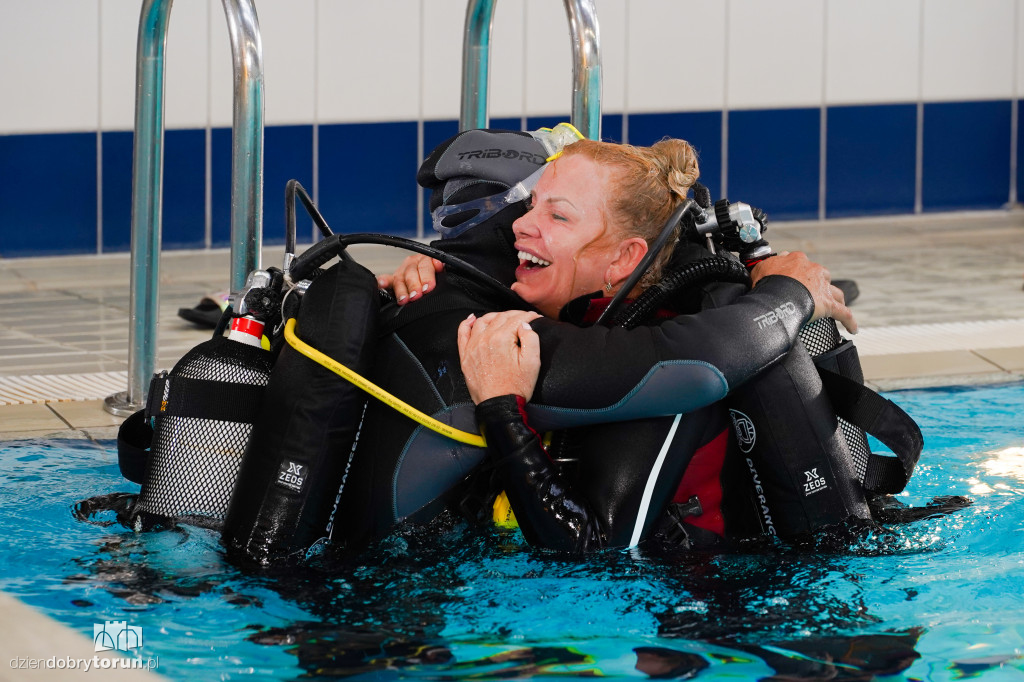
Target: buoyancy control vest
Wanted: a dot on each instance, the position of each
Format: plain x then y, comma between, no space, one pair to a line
802,459
801,428
303,439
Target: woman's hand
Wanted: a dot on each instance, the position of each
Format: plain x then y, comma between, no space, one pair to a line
415,276
500,354
829,301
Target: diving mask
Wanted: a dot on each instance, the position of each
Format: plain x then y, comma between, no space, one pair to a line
485,207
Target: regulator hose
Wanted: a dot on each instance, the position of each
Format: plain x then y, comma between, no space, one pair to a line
321,252
292,189
703,271
378,392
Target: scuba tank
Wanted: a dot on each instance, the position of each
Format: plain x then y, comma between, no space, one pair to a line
202,413
186,446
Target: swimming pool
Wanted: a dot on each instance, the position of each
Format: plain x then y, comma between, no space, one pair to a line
940,600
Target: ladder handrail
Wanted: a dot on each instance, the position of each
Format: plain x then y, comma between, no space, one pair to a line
147,181
476,64
586,66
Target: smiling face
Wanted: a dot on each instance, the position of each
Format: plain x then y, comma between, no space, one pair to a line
565,241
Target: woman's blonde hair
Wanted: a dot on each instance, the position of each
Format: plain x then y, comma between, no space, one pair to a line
651,183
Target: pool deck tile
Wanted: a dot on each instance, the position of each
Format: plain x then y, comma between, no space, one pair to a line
34,417
85,414
936,368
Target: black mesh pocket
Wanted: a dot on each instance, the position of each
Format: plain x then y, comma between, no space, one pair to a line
821,337
203,420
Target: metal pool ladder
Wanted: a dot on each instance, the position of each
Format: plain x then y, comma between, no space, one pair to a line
147,184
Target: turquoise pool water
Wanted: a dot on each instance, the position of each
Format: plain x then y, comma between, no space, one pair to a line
942,599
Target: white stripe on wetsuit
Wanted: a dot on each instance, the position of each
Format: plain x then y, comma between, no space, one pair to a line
645,502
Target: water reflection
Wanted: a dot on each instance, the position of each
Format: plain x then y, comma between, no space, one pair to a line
1007,463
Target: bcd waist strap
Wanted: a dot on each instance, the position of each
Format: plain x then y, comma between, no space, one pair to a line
884,420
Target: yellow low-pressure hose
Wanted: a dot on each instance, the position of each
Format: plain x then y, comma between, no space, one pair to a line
378,392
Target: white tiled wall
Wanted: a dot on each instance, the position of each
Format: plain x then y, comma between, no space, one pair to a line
676,55
288,33
119,27
49,65
368,61
69,65
187,65
440,70
868,60
969,49
508,77
1019,91
775,53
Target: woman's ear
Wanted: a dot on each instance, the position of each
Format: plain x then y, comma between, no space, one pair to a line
630,252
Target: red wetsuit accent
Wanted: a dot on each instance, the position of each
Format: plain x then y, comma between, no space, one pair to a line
703,478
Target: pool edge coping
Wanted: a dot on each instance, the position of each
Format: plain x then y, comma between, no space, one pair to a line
28,633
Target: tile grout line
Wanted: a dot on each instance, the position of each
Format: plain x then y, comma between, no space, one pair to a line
59,416
990,361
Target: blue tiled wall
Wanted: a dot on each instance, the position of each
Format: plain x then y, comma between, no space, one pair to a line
117,191
184,221
966,155
774,160
367,177
871,159
48,194
287,154
1020,154
367,170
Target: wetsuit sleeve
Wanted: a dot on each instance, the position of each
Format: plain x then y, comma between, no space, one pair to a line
550,514
596,374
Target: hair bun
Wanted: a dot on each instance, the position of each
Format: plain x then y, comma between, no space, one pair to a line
678,161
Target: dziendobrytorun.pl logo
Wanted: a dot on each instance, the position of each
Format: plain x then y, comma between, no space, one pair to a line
111,635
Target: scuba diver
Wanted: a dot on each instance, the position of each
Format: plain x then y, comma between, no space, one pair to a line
815,472
594,213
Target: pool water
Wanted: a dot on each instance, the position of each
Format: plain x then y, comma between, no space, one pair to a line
941,599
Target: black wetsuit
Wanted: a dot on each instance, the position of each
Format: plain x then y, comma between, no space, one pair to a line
590,376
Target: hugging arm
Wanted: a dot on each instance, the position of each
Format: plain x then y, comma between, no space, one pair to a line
596,374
